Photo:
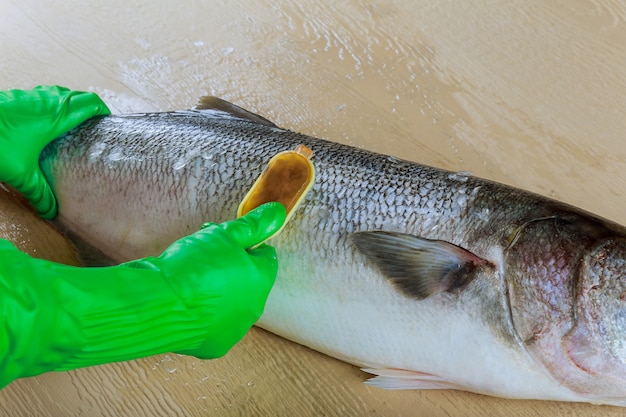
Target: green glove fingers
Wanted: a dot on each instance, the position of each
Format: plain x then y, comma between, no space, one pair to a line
29,120
199,297
257,227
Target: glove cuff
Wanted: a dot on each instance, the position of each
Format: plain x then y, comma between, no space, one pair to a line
58,317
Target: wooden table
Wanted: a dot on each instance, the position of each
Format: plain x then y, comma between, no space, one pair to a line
530,94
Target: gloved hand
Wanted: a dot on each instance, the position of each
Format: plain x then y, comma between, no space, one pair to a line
199,297
29,120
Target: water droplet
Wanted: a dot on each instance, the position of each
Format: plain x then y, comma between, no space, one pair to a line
168,364
116,156
96,150
461,176
180,164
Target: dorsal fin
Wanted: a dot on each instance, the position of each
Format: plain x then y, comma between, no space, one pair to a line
418,267
217,104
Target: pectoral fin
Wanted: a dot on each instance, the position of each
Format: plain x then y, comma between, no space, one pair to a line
418,267
215,105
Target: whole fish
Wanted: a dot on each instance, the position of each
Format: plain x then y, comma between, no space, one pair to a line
424,278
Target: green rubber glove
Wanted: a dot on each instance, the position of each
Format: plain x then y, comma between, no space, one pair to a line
29,120
199,298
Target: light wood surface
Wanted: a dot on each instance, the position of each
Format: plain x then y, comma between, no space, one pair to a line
528,93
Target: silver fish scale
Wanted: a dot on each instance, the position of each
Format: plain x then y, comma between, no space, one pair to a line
203,166
210,163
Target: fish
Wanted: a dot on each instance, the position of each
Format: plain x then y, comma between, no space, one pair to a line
422,277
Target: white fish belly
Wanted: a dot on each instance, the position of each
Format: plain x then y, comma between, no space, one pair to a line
349,311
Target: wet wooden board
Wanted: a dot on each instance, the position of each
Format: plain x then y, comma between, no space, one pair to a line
531,94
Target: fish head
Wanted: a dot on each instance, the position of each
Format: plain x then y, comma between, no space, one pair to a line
596,344
567,294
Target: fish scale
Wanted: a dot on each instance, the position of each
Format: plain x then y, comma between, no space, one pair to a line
464,250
